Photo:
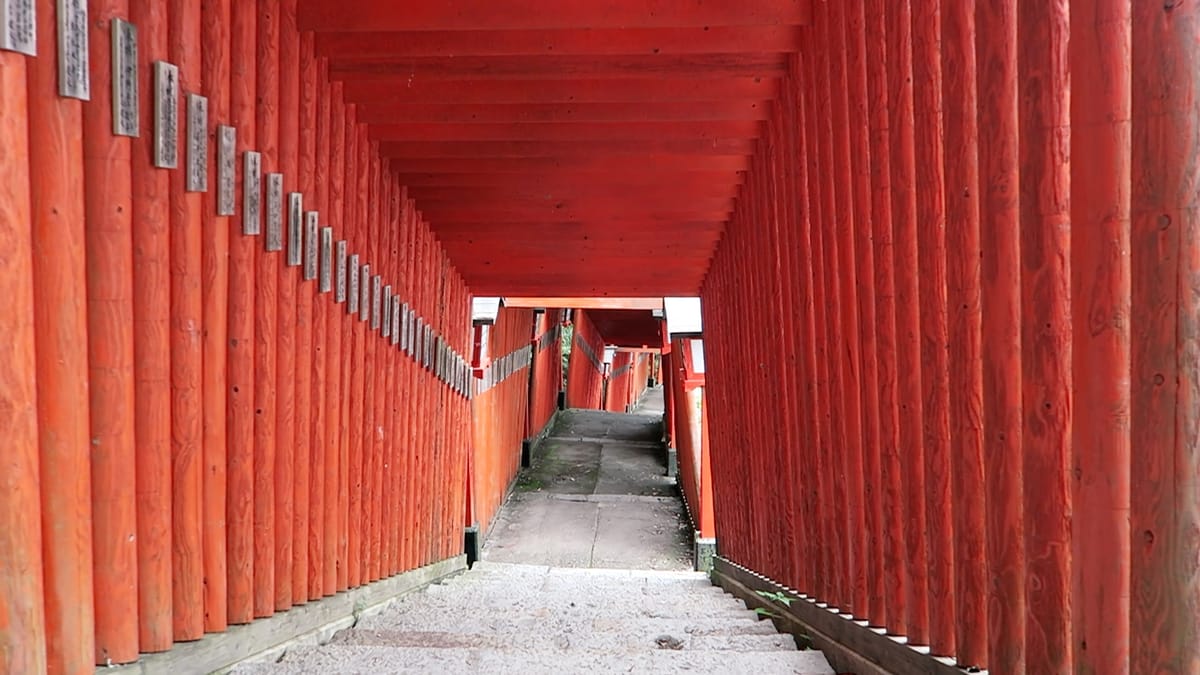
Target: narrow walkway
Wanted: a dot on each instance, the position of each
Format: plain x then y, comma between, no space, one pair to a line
588,569
597,495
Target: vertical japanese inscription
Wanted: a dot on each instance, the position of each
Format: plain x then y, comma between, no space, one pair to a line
325,284
376,301
226,152
386,321
295,251
18,20
339,272
310,245
395,320
73,78
252,193
352,285
166,115
197,134
404,319
274,238
124,78
364,289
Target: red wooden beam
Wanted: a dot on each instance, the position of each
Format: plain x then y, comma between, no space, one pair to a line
108,212
288,304
240,362
1101,451
151,347
187,365
860,139
567,131
662,163
531,113
1045,224
266,303
56,184
895,562
908,326
632,178
365,15
416,150
935,392
23,639
583,193
643,88
399,71
964,331
215,289
1165,201
754,39
996,40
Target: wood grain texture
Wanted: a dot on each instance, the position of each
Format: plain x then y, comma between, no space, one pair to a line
23,631
335,555
855,546
214,34
108,212
908,314
854,30
152,344
288,302
187,322
1165,213
305,293
320,326
1100,309
996,53
963,295
1045,217
928,145
56,184
895,563
266,310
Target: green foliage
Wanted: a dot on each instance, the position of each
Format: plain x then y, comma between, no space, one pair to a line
781,598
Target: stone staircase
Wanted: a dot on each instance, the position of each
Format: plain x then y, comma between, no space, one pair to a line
506,618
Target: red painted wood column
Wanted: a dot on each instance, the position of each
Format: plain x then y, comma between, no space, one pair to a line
23,633
1165,211
214,264
908,314
823,572
352,342
288,302
320,307
803,264
151,343
304,327
56,186
1100,291
1044,123
344,212
266,302
240,387
335,490
851,350
996,53
860,142
931,256
895,562
187,320
108,209
965,370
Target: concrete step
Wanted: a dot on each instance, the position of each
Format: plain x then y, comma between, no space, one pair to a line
373,659
507,627
613,641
